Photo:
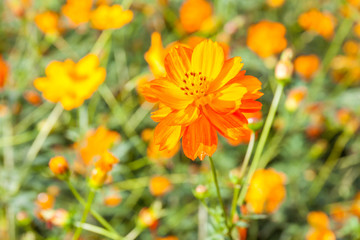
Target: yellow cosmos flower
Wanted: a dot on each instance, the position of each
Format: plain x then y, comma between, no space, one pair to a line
71,83
48,22
195,15
318,22
110,17
78,11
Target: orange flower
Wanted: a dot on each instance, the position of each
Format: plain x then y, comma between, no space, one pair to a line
201,94
275,3
155,56
273,32
195,15
148,218
252,118
4,70
32,97
355,206
167,238
58,165
316,21
324,234
307,65
106,162
45,201
266,191
71,83
294,98
48,22
113,199
78,11
96,143
320,224
110,17
357,29
339,213
18,7
159,185
351,48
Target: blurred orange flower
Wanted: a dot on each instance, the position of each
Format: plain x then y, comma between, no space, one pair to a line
294,98
339,213
307,65
45,201
78,11
18,7
104,165
96,143
319,22
48,22
159,185
357,29
155,56
202,94
266,191
355,206
320,224
32,97
4,70
275,3
71,83
148,218
58,165
110,17
113,199
167,238
273,32
195,15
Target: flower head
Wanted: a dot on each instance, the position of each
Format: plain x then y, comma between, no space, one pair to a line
159,185
102,167
148,218
275,3
307,65
202,94
195,15
295,98
110,17
4,70
78,11
273,32
48,22
319,22
266,191
320,224
71,83
58,165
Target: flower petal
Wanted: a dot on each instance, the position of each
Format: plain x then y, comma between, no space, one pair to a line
167,136
250,106
177,63
184,116
161,113
200,139
207,58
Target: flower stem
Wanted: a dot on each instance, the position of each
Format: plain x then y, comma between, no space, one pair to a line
242,172
133,233
85,213
213,170
260,147
96,229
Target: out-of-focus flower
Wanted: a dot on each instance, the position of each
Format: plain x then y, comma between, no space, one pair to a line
320,224
95,143
317,120
148,219
71,83
110,17
350,7
32,97
201,191
104,165
155,56
113,199
339,213
357,29
355,206
295,98
78,11
58,165
159,185
319,22
45,201
201,94
48,22
60,218
266,191
167,238
273,32
307,65
4,70
344,116
284,67
275,3
195,15
18,7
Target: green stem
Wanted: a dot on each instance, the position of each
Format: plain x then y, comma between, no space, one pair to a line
85,213
96,215
96,229
330,163
133,233
101,41
242,172
213,170
260,147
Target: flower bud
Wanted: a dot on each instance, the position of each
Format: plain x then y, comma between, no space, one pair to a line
59,166
97,178
201,192
294,98
147,219
284,68
60,218
159,185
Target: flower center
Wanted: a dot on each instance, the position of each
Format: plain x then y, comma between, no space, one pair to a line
194,84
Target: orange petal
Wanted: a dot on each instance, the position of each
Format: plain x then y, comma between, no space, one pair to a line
184,116
200,139
250,106
207,58
167,136
177,63
161,113
229,70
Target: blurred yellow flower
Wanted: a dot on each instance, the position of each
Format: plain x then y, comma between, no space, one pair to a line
58,165
319,22
307,65
48,22
104,165
266,191
273,32
195,15
95,143
4,70
159,185
355,206
275,3
294,98
110,17
71,83
78,11
155,56
148,218
18,7
320,227
357,29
